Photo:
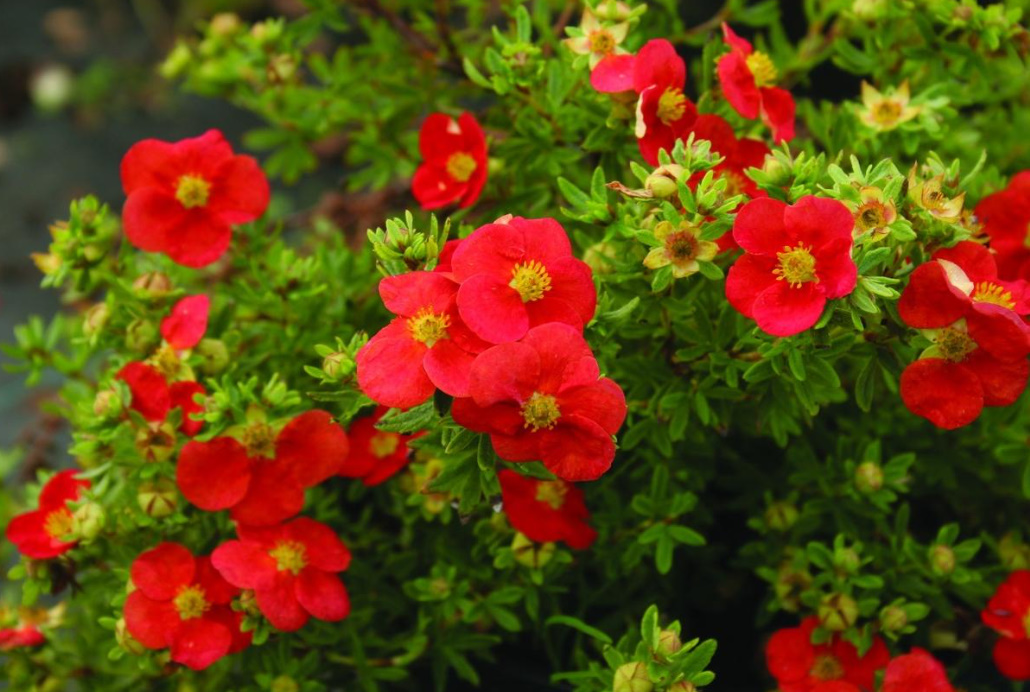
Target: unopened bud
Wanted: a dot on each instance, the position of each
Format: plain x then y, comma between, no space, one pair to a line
668,643
942,559
156,442
177,61
152,285
48,263
95,319
847,560
107,404
282,67
837,612
781,516
776,171
790,584
632,677
126,640
225,24
663,181
1014,553
338,366
88,521
284,683
868,477
893,618
531,554
158,499
681,686
599,257
141,336
214,355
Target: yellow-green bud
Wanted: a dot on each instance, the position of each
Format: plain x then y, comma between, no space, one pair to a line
158,499
942,559
847,560
141,336
337,366
789,585
177,62
152,285
776,171
156,442
893,618
531,554
95,319
126,640
632,677
284,683
599,257
282,68
88,521
662,182
868,477
681,686
837,612
781,516
107,404
225,24
1014,553
48,263
214,355
668,643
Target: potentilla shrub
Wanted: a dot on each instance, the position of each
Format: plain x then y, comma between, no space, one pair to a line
717,332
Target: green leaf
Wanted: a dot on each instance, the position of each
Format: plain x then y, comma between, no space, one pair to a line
577,624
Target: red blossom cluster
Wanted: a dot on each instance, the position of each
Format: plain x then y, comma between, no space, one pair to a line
1008,613
500,330
375,455
546,511
42,533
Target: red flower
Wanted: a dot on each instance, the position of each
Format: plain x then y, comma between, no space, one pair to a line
797,257
292,570
39,534
520,274
426,346
185,326
542,399
1006,219
664,113
801,666
266,485
546,511
443,264
745,75
184,197
916,672
1008,613
21,637
980,343
375,455
154,398
454,161
182,603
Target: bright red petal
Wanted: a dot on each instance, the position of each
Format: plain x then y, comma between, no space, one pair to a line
390,372
946,394
738,85
759,227
245,564
199,642
325,550
613,74
181,395
508,372
278,602
312,448
149,163
930,301
602,402
214,475
62,487
323,595
185,326
239,190
999,331
161,571
658,64
272,496
577,449
789,655
407,294
782,310
778,113
974,259
1003,381
449,367
149,388
1012,658
152,623
747,279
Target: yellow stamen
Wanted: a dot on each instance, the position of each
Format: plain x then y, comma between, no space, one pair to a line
797,266
531,280
954,344
552,492
289,556
602,42
259,439
672,104
681,247
887,112
987,292
461,166
827,667
383,444
428,327
540,411
190,602
762,69
192,191
58,523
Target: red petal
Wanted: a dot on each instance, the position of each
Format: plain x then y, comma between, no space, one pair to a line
475,184
999,331
837,272
930,301
181,395
199,642
312,448
1009,605
1012,658
62,487
778,113
390,372
738,85
185,326
973,258
782,310
658,64
789,655
508,372
602,402
149,389
577,449
214,475
504,419
613,74
521,445
245,564
161,571
818,222
323,595
433,187
149,163
718,131
407,294
565,357
747,279
734,41
915,672
27,533
279,603
155,221
946,394
325,550
152,623
492,309
538,520
572,281
440,136
1003,381
449,367
239,190
273,496
759,227
216,589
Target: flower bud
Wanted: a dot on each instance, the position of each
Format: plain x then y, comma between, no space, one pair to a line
893,618
780,516
126,640
282,67
248,603
632,677
599,257
868,477
156,442
837,612
790,584
530,554
214,355
338,366
95,319
151,285
662,182
225,24
107,404
88,521
47,263
681,686
158,499
141,336
177,62
868,10
284,683
1014,553
942,560
847,560
668,643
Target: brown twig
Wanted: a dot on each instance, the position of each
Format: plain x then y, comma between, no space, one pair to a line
443,28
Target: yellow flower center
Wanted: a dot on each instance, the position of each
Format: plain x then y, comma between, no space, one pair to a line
383,444
190,602
461,166
762,69
192,191
681,247
428,327
167,361
531,280
552,492
887,112
1026,624
987,292
871,215
259,439
735,183
540,411
797,266
602,42
954,344
289,556
671,105
58,523
827,667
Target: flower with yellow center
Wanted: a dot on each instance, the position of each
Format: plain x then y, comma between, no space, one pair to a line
950,343
428,327
190,602
289,556
827,667
681,247
989,292
461,166
383,444
796,266
672,104
884,112
531,280
192,191
874,214
540,411
58,523
597,39
762,69
929,195
552,492
259,439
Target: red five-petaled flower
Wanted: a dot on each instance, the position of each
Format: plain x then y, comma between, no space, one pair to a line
664,113
1008,612
797,257
546,511
454,161
745,75
980,343
520,274
184,197
154,398
375,455
1006,219
801,666
39,534
917,671
542,399
267,485
292,570
426,346
181,602
184,327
